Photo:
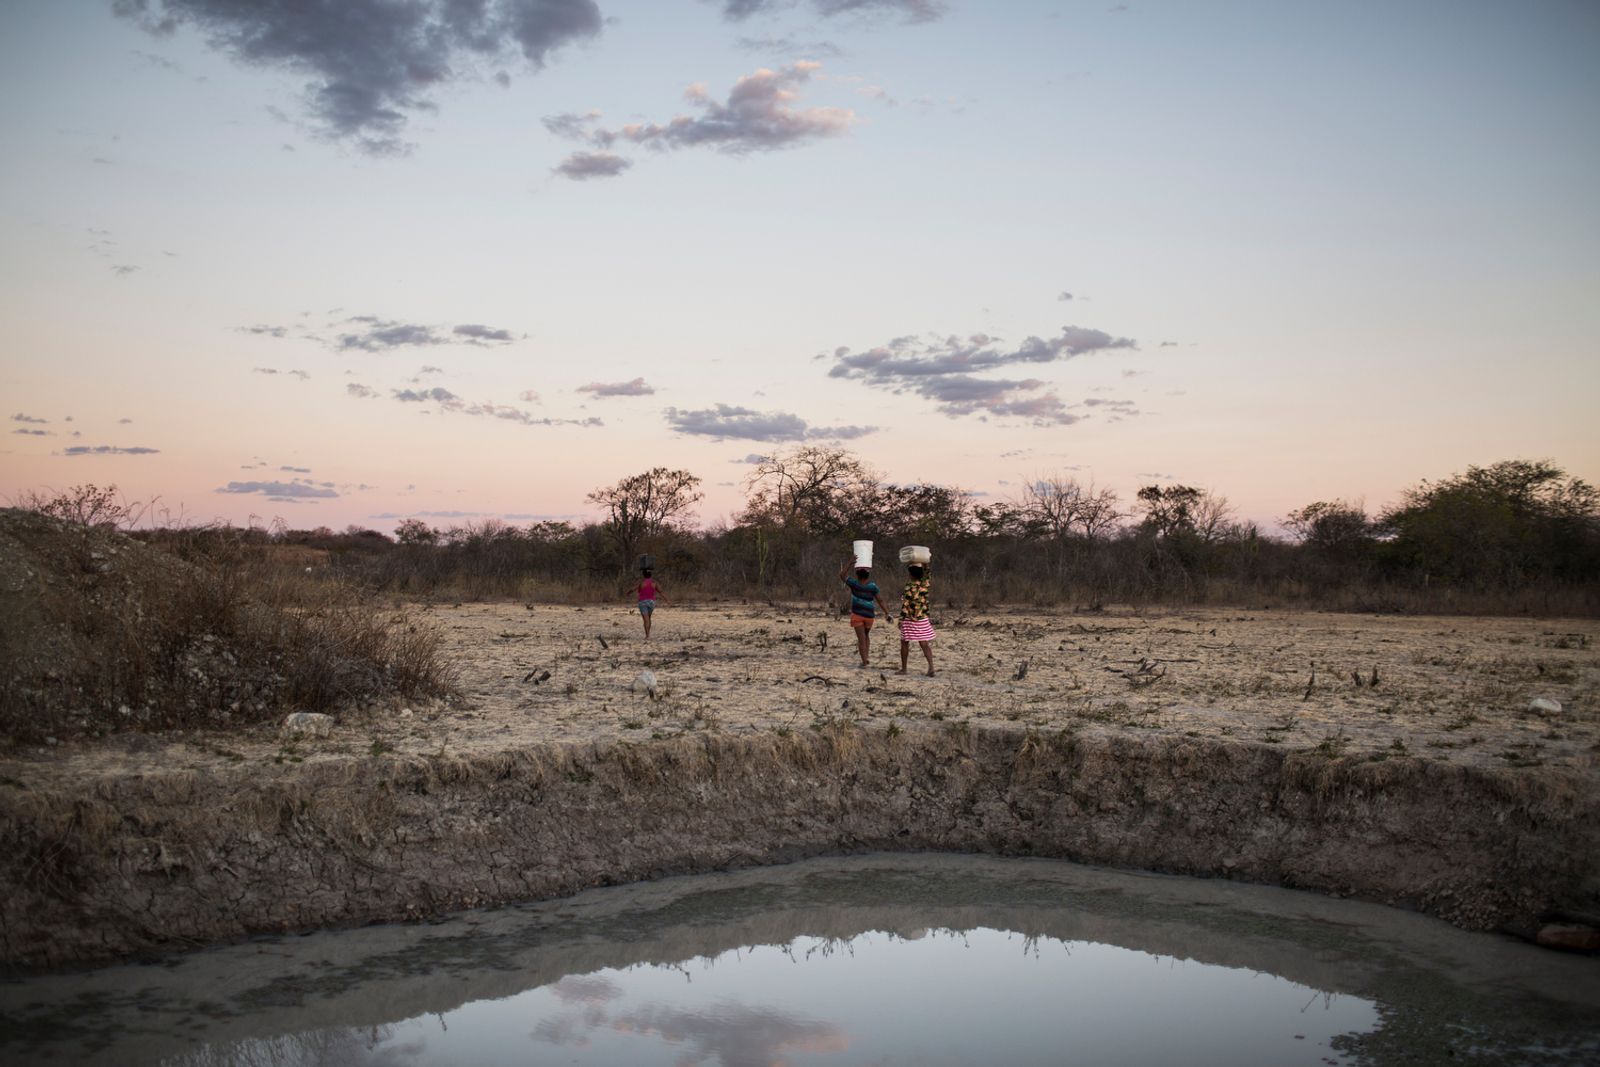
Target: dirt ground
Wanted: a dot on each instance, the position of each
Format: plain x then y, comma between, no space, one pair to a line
1456,689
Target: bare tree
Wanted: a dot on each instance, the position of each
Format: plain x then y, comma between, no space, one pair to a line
811,486
1062,507
644,505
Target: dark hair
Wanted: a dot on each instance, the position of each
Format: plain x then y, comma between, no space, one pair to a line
916,570
863,572
645,571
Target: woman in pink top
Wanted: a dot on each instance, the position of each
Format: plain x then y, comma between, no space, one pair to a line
648,592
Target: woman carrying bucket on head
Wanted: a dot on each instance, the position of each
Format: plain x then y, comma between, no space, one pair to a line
864,598
914,623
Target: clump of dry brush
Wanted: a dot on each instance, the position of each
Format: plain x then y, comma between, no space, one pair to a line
100,634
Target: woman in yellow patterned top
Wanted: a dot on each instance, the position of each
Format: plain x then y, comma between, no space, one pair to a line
914,624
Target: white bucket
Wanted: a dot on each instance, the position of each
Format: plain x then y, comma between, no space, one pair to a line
915,554
863,551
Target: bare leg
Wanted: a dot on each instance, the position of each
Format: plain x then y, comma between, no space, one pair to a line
927,651
863,644
646,616
905,651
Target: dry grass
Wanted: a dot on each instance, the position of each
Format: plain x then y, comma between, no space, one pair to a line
104,635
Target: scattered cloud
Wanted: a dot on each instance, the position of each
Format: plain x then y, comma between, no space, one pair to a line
302,375
790,45
108,450
945,370
21,417
360,392
296,470
1168,344
425,369
752,459
726,422
909,10
33,433
122,270
371,64
759,115
123,422
268,331
284,490
572,126
583,166
1064,297
450,402
636,387
383,335
528,396
417,396
477,333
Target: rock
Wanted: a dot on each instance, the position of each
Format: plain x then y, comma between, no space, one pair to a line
307,724
1545,706
1569,937
645,680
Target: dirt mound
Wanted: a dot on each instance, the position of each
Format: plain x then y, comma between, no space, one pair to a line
101,634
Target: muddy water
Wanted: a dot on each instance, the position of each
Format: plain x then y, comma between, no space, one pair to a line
872,960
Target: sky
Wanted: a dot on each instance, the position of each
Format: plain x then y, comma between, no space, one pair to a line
352,262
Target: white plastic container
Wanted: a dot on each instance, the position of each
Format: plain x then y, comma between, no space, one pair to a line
863,551
916,554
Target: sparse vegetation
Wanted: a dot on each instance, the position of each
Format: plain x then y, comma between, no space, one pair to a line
104,634
1518,537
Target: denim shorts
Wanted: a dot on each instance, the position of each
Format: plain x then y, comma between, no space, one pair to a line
646,607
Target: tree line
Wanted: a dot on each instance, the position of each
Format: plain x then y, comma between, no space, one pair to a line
1518,535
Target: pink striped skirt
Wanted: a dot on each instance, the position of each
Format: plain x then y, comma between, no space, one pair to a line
916,630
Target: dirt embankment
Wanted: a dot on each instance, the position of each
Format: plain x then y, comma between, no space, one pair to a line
98,868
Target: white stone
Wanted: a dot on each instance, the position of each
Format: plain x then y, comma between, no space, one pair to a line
307,724
645,680
1545,706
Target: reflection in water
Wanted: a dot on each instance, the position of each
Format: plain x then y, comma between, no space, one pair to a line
876,960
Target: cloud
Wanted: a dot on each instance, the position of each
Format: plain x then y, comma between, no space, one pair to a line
752,458
945,370
20,417
426,369
528,396
572,126
360,392
108,450
450,402
636,387
790,45
477,333
302,375
33,433
583,166
911,10
122,270
123,422
759,115
296,470
269,331
417,396
725,422
382,335
1065,296
279,490
371,64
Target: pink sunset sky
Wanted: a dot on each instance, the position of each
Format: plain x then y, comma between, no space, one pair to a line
459,264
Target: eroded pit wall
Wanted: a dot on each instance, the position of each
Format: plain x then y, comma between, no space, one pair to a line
142,864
